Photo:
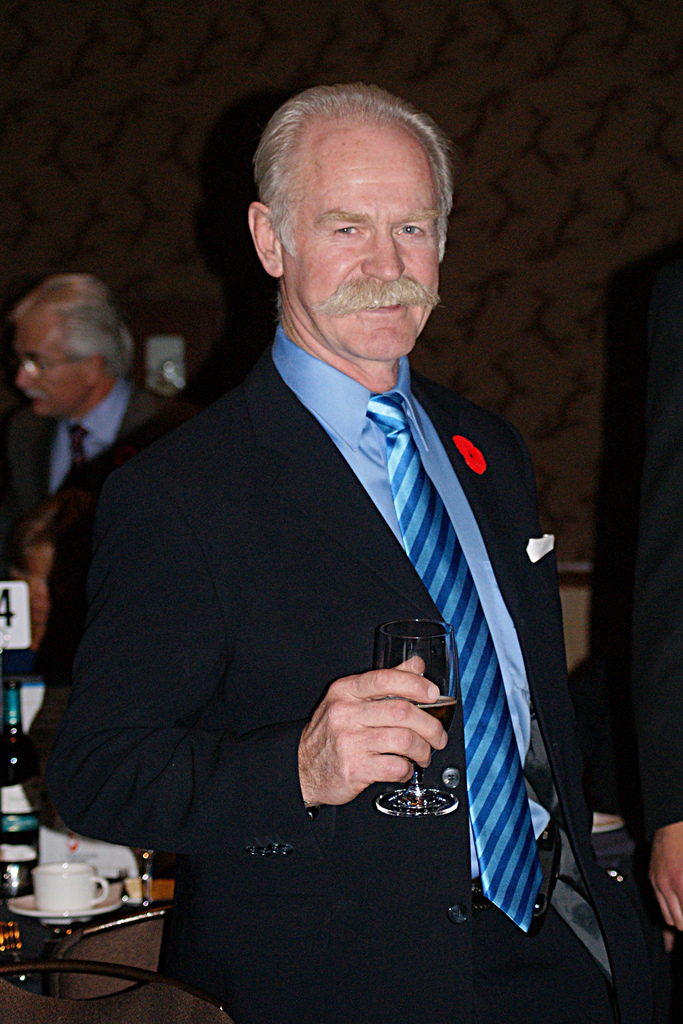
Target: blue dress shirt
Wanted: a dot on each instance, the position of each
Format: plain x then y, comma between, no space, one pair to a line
340,404
102,423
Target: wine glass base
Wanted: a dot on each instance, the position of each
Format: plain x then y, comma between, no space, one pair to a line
403,804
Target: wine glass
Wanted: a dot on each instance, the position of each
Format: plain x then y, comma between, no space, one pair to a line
434,643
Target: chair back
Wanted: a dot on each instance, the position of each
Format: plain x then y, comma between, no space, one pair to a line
154,999
134,940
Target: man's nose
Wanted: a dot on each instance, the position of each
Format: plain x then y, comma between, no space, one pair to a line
383,259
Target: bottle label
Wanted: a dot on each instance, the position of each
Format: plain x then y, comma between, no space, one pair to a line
14,800
11,706
17,854
12,823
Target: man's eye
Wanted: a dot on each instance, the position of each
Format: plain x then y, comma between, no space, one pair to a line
410,229
345,231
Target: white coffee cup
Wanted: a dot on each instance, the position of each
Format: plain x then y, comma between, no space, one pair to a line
60,887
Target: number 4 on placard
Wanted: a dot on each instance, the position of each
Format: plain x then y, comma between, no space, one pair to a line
15,619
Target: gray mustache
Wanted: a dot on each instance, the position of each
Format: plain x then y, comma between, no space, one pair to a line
367,293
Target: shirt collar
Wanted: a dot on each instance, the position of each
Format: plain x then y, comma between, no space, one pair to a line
340,402
104,420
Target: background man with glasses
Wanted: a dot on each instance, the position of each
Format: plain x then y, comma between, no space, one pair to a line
73,352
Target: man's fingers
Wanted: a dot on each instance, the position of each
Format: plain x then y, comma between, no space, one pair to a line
670,908
404,742
404,715
385,755
391,768
368,729
668,898
401,681
415,665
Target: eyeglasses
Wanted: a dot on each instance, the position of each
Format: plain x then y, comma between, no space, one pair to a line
34,365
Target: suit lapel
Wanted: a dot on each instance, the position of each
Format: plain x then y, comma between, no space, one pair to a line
493,521
141,407
310,474
502,528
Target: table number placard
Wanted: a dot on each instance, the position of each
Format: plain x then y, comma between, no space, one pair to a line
15,619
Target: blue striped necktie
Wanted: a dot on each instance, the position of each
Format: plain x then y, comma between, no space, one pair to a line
499,809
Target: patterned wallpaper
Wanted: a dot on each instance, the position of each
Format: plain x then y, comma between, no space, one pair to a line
566,124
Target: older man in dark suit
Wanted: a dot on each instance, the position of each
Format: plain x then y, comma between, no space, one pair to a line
225,705
73,354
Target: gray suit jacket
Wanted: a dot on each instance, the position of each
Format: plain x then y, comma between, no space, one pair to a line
27,453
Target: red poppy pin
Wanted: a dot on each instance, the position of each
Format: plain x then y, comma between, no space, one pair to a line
470,453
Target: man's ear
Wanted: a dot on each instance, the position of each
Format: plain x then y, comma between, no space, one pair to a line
268,245
94,368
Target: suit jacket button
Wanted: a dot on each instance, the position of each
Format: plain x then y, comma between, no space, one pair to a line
457,913
451,777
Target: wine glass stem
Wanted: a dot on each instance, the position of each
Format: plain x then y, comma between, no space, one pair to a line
415,790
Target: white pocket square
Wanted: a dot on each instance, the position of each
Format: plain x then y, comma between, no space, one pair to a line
540,546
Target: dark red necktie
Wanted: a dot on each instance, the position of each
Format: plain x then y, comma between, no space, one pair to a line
77,432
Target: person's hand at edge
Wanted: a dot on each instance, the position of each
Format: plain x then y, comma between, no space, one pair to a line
666,872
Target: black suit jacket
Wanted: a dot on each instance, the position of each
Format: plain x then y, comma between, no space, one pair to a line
658,594
239,568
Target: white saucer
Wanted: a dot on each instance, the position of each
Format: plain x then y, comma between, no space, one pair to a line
26,905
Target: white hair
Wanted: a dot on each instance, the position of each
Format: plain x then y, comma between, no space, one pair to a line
92,323
274,162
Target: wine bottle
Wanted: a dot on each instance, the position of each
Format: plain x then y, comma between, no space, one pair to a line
19,786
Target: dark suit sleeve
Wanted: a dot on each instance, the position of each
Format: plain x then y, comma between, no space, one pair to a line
143,755
658,596
27,441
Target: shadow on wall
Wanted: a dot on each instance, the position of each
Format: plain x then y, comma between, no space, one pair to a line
224,240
